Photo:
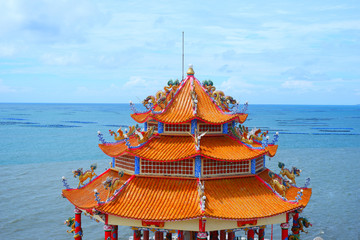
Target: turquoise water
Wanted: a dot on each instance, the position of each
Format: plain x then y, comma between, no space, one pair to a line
40,143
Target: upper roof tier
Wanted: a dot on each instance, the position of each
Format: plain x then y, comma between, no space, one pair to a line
188,100
168,148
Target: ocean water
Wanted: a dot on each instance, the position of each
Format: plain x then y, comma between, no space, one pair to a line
40,143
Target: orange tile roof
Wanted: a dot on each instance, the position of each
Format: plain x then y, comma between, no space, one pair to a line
247,198
150,198
84,197
172,148
180,110
166,198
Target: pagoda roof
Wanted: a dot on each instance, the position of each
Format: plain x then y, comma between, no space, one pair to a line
180,107
171,199
173,148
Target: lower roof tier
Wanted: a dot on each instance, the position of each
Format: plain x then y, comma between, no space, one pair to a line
175,199
173,148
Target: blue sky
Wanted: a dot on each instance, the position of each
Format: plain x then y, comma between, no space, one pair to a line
264,52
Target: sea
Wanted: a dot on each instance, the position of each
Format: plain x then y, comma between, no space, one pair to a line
41,143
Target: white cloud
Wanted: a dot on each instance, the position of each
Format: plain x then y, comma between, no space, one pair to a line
298,85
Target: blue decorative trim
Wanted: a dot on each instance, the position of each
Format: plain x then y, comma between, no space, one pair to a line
225,128
101,137
145,126
97,198
233,124
193,126
66,185
132,107
253,166
160,127
137,165
198,166
264,161
113,162
307,183
275,140
265,142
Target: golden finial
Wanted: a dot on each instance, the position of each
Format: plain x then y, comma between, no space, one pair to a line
190,71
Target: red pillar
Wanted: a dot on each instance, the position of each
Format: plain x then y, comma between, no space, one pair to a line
296,219
78,231
231,235
114,233
222,235
145,234
262,233
161,235
108,229
137,235
250,234
180,235
284,230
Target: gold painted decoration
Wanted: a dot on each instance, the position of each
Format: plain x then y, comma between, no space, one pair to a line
276,185
112,184
83,176
143,137
295,172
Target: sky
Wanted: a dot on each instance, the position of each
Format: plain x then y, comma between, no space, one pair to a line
263,52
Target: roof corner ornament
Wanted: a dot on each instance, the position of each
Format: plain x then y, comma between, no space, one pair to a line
265,142
101,137
245,107
83,176
112,183
193,97
132,107
97,198
64,181
143,137
307,183
295,172
276,139
276,185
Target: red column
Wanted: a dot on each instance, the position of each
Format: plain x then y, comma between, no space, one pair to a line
231,235
180,235
78,231
114,233
145,234
262,233
222,235
161,235
295,219
214,235
108,229
284,230
137,235
250,234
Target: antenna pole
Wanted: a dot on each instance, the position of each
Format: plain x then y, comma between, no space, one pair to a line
182,55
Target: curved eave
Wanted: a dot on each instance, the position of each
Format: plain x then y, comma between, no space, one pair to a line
180,109
176,199
156,199
245,198
84,197
169,148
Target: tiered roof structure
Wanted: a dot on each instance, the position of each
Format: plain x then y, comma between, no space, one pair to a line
194,167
